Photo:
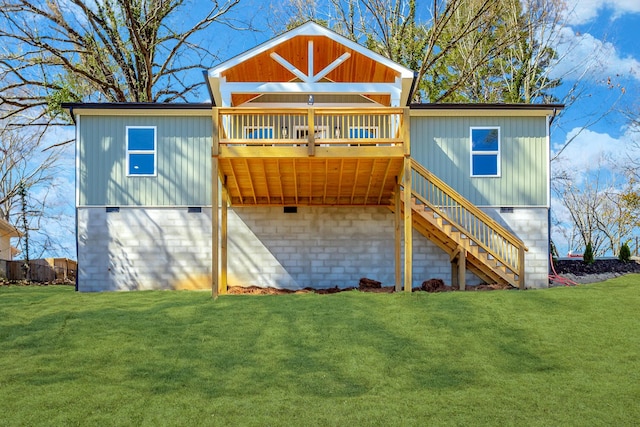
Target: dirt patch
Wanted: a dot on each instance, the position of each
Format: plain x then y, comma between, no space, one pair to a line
365,285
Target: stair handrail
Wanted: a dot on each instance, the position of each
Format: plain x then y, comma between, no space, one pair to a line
515,262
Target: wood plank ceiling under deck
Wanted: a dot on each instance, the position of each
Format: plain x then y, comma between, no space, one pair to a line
310,181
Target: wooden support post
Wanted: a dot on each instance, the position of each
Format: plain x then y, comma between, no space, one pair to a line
215,150
408,224
455,283
521,283
223,239
398,235
462,269
311,137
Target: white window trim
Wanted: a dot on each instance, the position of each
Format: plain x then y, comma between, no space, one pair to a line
480,153
154,151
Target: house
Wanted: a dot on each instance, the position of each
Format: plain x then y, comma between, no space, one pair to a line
320,172
7,232
7,252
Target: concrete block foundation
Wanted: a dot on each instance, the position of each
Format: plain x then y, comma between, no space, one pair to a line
170,248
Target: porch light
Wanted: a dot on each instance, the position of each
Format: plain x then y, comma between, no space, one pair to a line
310,100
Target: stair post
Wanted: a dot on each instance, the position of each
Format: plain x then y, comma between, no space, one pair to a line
397,236
459,269
521,284
408,224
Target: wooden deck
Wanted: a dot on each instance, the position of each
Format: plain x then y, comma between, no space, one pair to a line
319,157
347,157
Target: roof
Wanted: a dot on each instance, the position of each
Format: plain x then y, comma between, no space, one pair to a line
8,230
485,106
137,108
472,109
309,59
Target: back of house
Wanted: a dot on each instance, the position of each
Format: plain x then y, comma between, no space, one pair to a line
319,172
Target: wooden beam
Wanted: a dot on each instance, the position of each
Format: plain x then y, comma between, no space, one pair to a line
366,195
384,180
295,181
398,236
355,181
261,152
521,281
455,284
223,239
311,136
253,189
214,206
408,223
462,269
280,181
326,181
340,178
408,228
235,179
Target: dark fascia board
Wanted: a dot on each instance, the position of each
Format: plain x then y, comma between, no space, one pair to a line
138,105
454,106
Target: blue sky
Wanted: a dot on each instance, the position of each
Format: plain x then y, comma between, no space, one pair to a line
601,48
599,44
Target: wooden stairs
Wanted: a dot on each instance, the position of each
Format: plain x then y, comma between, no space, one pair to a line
472,239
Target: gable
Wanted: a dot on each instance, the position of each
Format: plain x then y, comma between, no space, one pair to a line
310,60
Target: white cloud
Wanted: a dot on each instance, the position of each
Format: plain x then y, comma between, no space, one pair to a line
587,149
584,11
590,150
584,56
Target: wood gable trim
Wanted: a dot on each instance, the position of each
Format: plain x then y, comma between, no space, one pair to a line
309,59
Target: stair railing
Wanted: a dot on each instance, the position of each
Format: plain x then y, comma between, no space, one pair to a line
479,227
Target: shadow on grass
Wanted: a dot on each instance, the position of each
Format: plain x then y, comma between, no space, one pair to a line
342,345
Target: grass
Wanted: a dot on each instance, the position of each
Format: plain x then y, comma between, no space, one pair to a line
562,356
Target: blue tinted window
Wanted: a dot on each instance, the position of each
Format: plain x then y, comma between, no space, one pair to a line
259,133
485,151
141,150
141,139
362,133
484,164
484,139
141,164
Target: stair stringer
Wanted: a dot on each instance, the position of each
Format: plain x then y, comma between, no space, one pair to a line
449,239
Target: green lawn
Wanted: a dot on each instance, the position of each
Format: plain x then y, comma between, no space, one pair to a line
555,357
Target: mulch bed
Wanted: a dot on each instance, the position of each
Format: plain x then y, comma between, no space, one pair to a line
577,267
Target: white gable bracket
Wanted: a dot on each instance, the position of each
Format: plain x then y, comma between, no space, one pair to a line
289,66
329,68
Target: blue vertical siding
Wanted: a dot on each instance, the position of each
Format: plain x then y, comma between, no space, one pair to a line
183,162
442,145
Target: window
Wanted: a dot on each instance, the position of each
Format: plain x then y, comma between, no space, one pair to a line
258,132
141,151
363,132
485,151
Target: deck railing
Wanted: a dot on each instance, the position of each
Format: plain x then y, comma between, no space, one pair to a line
304,126
496,240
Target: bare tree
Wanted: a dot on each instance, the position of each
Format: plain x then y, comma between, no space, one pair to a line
109,50
27,177
603,205
462,50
